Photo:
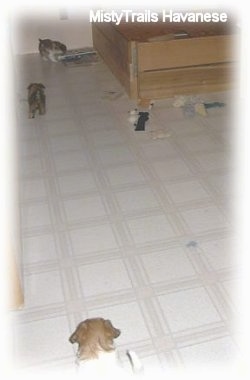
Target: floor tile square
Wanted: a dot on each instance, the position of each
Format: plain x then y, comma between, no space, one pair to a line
123,175
233,288
98,121
76,183
199,143
150,228
36,289
33,189
188,309
40,341
204,219
222,183
171,169
65,143
169,265
219,253
27,149
55,98
186,191
138,199
112,277
158,149
58,113
39,248
29,167
128,318
92,239
67,161
106,137
115,155
27,129
214,161
58,127
83,208
36,215
185,126
218,352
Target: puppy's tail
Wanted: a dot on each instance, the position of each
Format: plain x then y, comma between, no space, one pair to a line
135,362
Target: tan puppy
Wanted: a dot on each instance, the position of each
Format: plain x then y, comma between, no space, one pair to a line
94,335
97,356
36,99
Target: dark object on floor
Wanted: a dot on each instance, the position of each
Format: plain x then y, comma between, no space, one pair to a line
36,99
192,244
84,57
140,125
214,105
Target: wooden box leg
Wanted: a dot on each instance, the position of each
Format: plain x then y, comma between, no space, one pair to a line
15,296
144,103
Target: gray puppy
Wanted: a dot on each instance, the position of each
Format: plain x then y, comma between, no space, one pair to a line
50,50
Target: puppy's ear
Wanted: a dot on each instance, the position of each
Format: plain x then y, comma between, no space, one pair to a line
111,330
41,85
76,336
29,86
108,334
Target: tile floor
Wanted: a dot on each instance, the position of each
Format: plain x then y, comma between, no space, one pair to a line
117,224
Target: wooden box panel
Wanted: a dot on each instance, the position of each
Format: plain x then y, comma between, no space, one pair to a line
167,83
184,52
116,52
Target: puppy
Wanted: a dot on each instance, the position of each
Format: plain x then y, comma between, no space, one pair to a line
36,99
50,50
97,356
94,336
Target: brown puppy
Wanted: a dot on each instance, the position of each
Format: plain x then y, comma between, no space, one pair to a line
94,336
36,99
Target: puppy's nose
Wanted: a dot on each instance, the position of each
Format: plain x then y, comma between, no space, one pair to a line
72,338
118,332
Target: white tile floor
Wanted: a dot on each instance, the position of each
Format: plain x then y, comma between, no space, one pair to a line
107,217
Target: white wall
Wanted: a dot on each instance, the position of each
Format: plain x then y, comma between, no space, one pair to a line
27,27
10,242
